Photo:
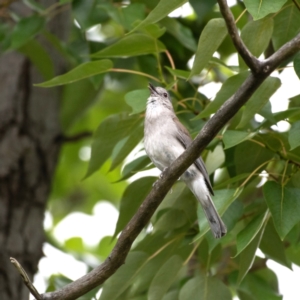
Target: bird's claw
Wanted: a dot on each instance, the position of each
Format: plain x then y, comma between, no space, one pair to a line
155,183
161,175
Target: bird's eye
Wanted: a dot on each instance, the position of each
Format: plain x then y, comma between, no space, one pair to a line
165,95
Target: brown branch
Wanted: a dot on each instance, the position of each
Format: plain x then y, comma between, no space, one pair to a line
73,138
26,279
297,4
251,61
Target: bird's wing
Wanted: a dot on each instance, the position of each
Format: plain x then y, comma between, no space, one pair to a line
183,136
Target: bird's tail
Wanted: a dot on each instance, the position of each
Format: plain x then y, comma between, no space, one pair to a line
201,192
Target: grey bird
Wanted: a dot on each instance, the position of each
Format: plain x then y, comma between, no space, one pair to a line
165,138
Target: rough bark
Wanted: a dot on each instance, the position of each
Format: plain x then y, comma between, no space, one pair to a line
29,126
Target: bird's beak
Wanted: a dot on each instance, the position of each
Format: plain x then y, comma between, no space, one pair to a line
152,89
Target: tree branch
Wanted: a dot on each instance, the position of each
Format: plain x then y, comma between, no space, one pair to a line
73,138
251,61
26,279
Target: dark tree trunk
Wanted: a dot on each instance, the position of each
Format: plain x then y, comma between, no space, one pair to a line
29,126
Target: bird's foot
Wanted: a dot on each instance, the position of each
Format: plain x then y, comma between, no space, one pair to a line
161,175
155,183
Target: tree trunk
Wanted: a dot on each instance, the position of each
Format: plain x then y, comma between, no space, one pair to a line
29,126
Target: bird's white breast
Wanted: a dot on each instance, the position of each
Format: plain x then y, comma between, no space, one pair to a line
160,143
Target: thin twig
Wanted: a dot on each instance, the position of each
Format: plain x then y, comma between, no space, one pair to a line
73,138
240,16
134,72
26,279
251,61
173,67
297,4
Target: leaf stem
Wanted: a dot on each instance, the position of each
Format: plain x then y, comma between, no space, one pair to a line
173,67
134,72
254,172
297,4
240,16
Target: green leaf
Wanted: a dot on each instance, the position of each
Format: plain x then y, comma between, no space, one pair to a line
256,36
154,30
293,254
135,166
259,9
105,247
39,57
181,33
179,73
215,159
161,10
165,277
222,200
259,287
214,61
124,276
112,130
272,246
160,248
259,99
228,88
292,114
73,104
137,100
294,135
171,219
246,236
171,295
132,198
211,38
134,138
25,30
297,64
125,16
249,155
87,13
266,112
229,181
284,205
202,8
132,45
286,25
233,137
203,287
181,199
82,71
248,255
75,244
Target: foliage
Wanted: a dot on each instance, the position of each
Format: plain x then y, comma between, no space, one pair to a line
104,91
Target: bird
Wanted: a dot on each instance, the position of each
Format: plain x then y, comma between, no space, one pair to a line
165,139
